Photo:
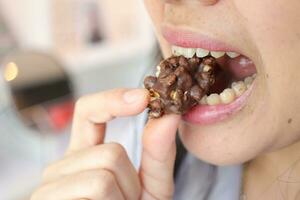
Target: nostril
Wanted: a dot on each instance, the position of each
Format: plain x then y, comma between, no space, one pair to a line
172,1
204,2
208,2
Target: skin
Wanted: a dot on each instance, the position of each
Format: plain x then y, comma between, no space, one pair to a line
270,120
90,169
266,131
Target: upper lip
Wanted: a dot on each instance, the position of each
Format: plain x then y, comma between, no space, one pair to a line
188,39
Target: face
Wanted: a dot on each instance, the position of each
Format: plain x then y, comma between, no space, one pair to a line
252,118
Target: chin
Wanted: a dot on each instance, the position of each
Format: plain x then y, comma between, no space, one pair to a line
236,139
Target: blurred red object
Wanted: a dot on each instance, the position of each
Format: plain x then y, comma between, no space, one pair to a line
60,115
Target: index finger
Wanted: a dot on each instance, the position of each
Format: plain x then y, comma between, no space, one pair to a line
93,111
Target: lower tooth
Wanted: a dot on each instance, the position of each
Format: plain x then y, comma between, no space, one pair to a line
203,101
239,88
248,80
227,96
213,99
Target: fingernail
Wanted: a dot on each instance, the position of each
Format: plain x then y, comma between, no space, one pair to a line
134,95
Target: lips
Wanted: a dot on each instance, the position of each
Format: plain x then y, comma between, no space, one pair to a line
233,87
205,114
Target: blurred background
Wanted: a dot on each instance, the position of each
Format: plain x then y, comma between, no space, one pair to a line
51,53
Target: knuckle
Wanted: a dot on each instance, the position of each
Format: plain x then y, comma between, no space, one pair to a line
115,152
166,189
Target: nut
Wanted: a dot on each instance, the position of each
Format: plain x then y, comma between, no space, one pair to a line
207,68
153,95
180,84
158,68
173,95
157,73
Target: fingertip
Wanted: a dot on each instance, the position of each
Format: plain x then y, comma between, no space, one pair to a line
167,122
146,95
135,95
126,102
170,118
136,100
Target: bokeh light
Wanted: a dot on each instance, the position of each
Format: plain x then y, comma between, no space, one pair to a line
11,71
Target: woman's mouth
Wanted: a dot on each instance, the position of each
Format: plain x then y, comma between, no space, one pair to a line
234,83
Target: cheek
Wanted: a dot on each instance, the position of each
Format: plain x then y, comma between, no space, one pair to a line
272,26
156,10
276,33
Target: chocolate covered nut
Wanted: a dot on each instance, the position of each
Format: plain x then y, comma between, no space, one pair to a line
149,82
180,84
156,108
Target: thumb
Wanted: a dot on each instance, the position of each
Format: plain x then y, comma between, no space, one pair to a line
158,157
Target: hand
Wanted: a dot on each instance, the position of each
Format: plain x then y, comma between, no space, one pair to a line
92,170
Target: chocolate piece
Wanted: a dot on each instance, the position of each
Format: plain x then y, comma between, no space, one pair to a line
180,84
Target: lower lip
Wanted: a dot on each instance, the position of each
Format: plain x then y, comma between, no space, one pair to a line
204,114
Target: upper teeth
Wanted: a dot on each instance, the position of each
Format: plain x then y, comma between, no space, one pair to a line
217,54
190,52
201,53
232,54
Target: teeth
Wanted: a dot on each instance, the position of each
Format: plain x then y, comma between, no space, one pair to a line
239,88
174,50
232,54
188,52
201,53
213,99
177,51
227,96
217,54
248,80
203,101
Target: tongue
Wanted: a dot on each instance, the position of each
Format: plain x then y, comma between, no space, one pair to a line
241,67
